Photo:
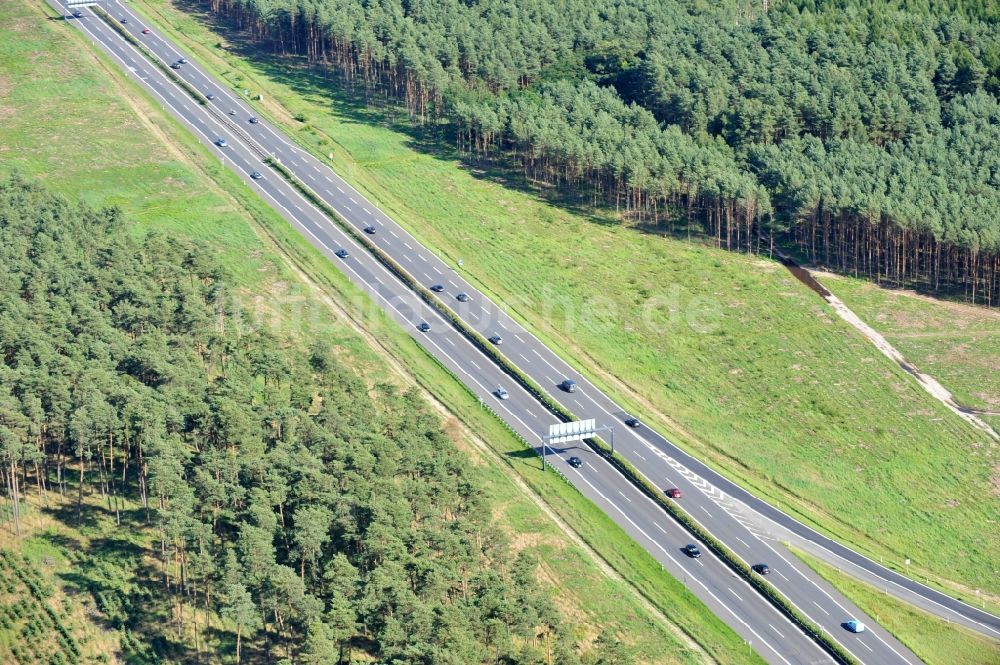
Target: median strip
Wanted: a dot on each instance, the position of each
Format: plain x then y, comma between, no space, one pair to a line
149,55
767,590
762,586
187,87
425,294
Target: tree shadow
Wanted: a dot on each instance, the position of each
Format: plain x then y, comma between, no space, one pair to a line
61,541
676,226
84,518
90,515
116,574
322,86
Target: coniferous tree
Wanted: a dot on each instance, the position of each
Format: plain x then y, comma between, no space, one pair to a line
290,505
862,134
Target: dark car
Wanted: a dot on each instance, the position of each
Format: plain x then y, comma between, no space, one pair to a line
342,253
370,230
210,96
569,385
575,462
424,327
692,551
183,61
221,143
256,175
673,493
463,297
762,569
175,65
496,339
77,14
253,120
632,422
437,288
123,19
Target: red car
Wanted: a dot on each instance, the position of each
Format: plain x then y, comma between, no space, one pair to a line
146,31
673,493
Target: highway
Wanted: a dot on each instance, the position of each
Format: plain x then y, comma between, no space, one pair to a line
767,631
730,513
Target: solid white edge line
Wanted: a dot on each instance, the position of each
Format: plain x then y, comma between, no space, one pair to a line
536,352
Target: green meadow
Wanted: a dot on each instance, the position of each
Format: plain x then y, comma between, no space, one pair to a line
934,640
728,353
107,142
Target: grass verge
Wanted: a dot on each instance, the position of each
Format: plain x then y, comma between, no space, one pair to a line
957,344
933,640
732,356
738,566
111,145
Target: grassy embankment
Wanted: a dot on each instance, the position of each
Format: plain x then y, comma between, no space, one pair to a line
737,360
934,640
956,343
106,141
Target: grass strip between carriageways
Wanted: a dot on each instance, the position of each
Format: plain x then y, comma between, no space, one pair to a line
149,55
766,589
762,586
187,87
478,340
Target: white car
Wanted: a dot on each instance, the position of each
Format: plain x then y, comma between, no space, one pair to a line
502,394
854,626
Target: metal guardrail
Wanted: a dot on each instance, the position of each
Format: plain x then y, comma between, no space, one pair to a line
193,92
241,132
768,591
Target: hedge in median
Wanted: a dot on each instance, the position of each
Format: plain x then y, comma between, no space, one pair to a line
130,38
771,593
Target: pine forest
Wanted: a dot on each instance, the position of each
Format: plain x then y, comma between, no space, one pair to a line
291,507
863,137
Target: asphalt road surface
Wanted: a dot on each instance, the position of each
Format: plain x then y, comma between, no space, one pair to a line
729,512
